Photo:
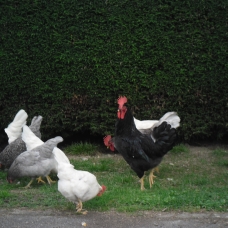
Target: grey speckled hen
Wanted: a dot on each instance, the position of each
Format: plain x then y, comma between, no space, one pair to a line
34,163
11,151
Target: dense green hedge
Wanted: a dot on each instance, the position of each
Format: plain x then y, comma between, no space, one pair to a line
69,61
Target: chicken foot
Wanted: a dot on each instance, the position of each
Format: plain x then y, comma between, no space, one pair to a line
39,180
28,185
50,181
79,208
151,177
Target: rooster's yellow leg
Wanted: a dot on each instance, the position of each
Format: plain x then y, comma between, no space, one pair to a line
50,181
28,185
151,177
79,208
142,183
39,179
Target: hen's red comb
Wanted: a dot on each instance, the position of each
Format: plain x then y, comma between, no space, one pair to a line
107,139
121,101
104,188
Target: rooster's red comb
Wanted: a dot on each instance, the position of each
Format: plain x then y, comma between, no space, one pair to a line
121,101
107,139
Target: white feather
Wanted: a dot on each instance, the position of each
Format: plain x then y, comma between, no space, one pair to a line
60,156
30,139
170,117
144,124
14,129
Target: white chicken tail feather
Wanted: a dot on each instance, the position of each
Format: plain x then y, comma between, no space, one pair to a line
144,124
14,129
30,139
60,156
61,159
171,118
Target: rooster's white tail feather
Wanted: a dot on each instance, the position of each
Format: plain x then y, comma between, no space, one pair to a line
144,124
171,118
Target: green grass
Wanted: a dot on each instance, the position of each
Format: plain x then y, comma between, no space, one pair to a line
220,153
192,181
222,157
81,148
179,149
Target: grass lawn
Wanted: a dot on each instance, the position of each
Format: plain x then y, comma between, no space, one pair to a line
190,179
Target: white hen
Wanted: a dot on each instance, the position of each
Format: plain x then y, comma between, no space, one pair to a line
77,186
32,141
14,129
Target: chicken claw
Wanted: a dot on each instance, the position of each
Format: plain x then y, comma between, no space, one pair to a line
79,208
39,180
84,212
50,181
28,185
151,177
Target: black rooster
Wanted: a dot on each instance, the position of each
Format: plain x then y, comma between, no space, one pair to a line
142,152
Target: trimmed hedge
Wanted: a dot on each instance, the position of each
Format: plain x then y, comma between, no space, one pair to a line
69,61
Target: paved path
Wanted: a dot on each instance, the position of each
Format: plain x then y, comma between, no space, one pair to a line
20,218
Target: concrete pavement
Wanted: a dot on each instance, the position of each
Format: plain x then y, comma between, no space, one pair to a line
24,218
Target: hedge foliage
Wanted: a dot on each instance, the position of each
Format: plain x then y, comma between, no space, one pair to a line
69,60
